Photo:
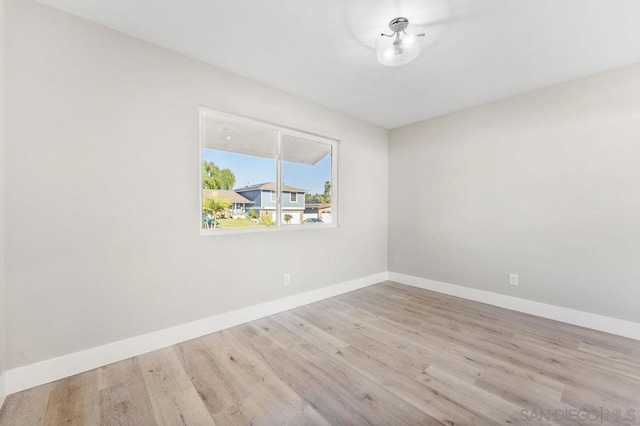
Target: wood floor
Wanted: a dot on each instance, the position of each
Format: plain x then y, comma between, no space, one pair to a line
387,354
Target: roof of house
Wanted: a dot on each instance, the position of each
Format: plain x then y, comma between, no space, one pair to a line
224,194
270,186
317,205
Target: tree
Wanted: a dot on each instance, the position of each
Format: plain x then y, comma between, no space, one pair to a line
327,192
324,198
215,206
215,178
287,218
228,179
210,176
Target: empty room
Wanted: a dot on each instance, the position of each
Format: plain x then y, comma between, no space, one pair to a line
319,212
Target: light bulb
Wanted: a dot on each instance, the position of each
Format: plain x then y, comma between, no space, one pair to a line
400,47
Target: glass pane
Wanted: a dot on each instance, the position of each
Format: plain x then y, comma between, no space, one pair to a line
238,174
306,181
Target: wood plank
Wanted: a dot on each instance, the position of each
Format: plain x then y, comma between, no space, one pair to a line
372,402
271,395
25,408
332,401
477,401
446,410
118,373
174,399
245,412
216,387
74,401
123,395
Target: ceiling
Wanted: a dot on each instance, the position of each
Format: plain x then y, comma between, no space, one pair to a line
323,50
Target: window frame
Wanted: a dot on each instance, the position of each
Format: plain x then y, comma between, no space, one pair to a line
280,131
291,194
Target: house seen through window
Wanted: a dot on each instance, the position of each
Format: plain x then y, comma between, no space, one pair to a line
259,176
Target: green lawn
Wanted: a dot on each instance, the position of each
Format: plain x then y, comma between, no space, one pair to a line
236,223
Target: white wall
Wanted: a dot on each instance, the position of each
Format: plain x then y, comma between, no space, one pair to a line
544,185
2,306
102,232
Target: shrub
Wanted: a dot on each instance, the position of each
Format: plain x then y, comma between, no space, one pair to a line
266,220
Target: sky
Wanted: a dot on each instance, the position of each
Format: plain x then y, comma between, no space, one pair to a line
251,170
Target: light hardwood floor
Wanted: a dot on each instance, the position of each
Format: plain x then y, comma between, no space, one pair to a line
387,354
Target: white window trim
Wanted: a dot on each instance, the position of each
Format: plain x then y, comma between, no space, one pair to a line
291,194
273,196
280,130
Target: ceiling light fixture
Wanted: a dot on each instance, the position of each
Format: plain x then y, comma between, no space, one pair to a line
400,47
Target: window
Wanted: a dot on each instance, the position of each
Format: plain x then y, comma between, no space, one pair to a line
246,168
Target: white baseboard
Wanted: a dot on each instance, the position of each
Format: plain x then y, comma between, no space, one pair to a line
29,376
571,316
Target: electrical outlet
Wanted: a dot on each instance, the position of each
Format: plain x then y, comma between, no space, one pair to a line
513,279
287,279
